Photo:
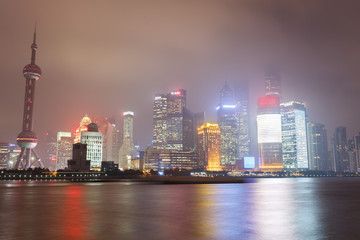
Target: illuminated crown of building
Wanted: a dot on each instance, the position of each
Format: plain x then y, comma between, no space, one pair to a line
85,121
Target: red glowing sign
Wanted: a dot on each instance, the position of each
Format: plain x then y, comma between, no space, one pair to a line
53,159
268,101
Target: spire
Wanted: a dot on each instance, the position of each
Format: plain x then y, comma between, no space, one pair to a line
33,48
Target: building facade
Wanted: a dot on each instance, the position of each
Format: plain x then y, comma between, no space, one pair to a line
357,151
319,159
85,121
64,149
242,116
51,151
269,133
127,148
209,147
340,149
161,159
173,123
94,140
4,155
228,125
273,83
294,135
112,139
79,161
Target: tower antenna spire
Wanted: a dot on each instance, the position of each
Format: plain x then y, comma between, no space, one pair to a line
33,47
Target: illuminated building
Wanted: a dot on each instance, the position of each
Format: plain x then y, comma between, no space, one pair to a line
357,152
14,151
227,121
269,133
51,150
242,116
159,118
85,121
352,155
112,139
341,157
28,139
64,149
127,148
94,140
209,147
174,119
199,120
318,147
173,126
161,159
294,137
273,83
79,161
4,155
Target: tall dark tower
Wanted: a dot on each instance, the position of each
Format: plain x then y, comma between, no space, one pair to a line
27,139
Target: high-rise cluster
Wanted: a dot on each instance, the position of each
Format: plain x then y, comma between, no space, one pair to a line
190,141
286,140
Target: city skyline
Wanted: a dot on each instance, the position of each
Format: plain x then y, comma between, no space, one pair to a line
67,70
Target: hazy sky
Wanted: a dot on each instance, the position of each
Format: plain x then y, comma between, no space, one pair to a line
105,57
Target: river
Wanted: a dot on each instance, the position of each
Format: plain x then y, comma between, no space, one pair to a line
272,208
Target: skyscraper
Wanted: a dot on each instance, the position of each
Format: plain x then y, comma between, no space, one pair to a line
199,120
174,120
269,133
352,155
51,150
294,138
4,155
94,140
228,127
188,143
85,121
111,139
27,139
273,83
209,147
64,149
14,151
242,116
319,158
341,157
127,148
173,126
159,118
357,151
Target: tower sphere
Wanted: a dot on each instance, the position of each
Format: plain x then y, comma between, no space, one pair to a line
27,139
32,71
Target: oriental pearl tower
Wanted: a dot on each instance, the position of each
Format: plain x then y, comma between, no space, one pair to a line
27,139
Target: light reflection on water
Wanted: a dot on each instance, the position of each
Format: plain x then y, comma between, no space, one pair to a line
283,208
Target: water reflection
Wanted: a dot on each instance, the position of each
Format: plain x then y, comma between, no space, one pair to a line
73,214
264,209
281,210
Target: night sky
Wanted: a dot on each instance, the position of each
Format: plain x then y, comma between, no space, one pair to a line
106,57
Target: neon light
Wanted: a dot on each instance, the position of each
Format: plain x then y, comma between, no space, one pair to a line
249,162
176,93
217,108
129,113
229,106
268,101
